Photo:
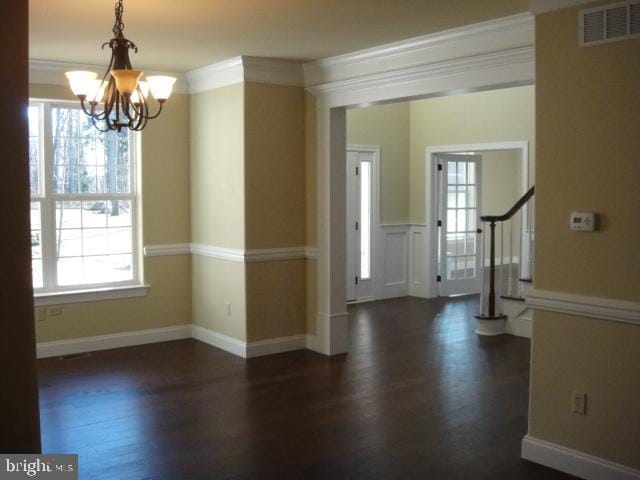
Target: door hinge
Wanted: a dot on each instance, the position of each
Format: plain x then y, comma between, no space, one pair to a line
357,171
439,167
356,280
357,225
438,278
439,223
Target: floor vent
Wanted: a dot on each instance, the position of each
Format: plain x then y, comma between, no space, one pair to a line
74,356
610,23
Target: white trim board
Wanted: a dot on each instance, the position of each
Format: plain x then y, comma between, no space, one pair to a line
90,295
252,349
114,340
168,249
245,69
52,73
467,41
574,462
585,306
233,254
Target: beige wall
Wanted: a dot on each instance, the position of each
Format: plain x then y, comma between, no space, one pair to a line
217,167
388,127
501,189
274,172
165,219
588,145
493,116
275,208
217,208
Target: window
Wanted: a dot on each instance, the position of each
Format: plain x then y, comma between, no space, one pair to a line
83,201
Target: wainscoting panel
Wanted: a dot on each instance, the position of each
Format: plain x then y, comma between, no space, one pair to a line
393,262
418,268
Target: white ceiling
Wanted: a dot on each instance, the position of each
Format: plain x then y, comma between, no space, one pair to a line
186,34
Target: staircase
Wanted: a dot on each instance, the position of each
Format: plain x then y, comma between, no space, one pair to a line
507,243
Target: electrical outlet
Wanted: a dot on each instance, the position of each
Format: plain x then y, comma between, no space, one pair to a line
579,403
41,314
55,311
227,309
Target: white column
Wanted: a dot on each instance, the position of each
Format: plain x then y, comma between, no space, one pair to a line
332,317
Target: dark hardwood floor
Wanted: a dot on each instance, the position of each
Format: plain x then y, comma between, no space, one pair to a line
419,396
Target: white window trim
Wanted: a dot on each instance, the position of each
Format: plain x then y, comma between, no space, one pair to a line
44,299
54,295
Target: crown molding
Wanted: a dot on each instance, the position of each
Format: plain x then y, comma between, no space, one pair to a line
542,6
52,73
216,75
506,33
245,69
274,71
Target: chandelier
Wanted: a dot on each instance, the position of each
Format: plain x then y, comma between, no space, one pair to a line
119,100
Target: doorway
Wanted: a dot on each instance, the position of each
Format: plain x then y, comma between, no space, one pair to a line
459,206
361,220
468,181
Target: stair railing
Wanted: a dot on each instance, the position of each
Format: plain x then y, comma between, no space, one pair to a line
489,309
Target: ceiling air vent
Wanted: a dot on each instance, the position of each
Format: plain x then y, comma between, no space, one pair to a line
609,23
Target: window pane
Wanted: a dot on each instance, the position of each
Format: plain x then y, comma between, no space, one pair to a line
470,271
452,178
119,240
86,160
35,215
462,172
36,273
471,244
94,241
471,197
107,268
68,215
119,213
70,271
365,220
471,219
69,242
451,220
462,220
35,169
94,214
471,168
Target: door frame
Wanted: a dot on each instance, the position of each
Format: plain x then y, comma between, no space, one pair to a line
431,196
375,214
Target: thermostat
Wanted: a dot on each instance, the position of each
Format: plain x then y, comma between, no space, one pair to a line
582,221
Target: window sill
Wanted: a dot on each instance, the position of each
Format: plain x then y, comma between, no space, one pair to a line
89,295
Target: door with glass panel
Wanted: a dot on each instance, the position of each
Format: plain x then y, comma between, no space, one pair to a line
359,220
459,220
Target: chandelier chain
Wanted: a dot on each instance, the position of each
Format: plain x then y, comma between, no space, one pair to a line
118,27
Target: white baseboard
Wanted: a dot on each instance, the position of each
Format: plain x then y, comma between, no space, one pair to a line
251,349
115,340
574,462
520,327
275,345
224,342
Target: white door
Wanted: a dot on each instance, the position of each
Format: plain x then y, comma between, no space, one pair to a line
359,222
460,254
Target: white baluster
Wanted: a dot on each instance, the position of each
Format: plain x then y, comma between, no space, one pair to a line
482,262
510,273
501,286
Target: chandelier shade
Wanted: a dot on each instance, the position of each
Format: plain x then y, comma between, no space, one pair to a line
121,98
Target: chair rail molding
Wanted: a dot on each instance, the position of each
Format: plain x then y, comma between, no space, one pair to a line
232,254
585,306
